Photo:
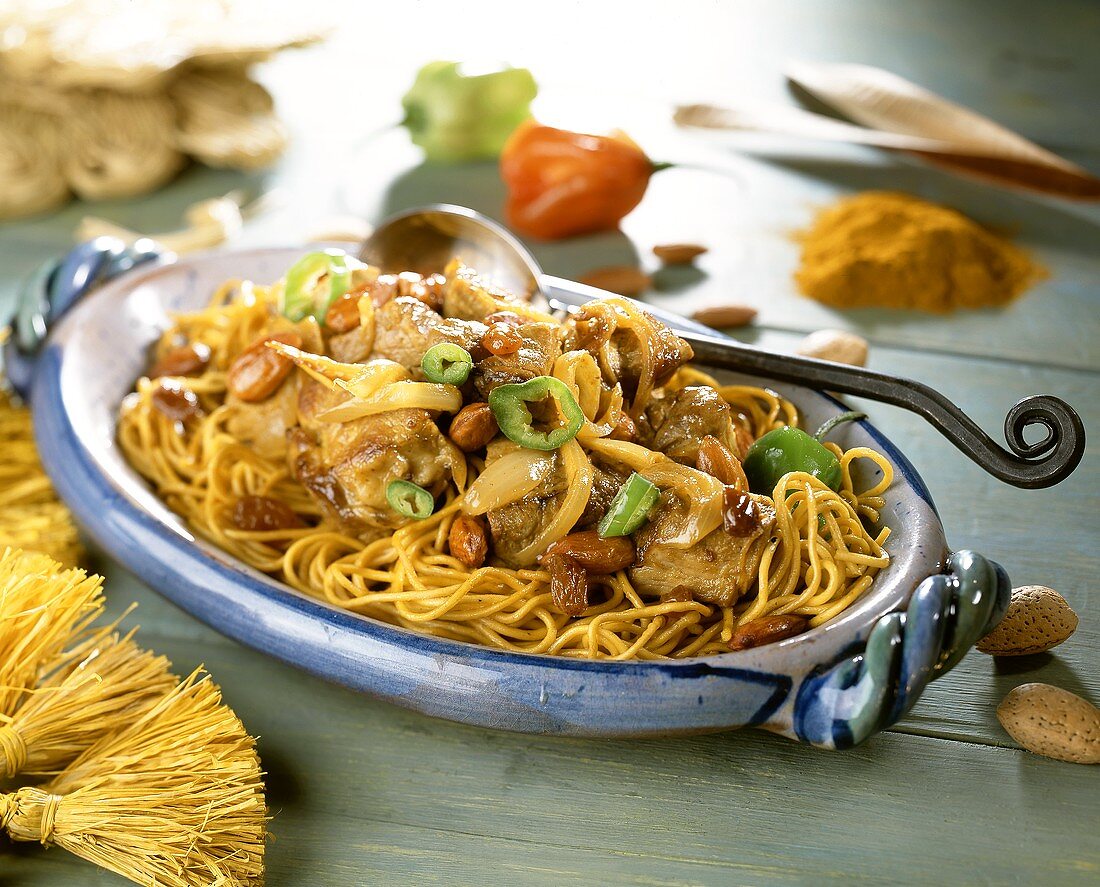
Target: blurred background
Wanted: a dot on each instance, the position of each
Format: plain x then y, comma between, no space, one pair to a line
601,66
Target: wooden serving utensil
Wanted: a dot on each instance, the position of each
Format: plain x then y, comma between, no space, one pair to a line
890,112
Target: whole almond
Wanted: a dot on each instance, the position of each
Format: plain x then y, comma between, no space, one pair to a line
835,345
725,316
258,370
468,541
622,279
473,427
767,630
678,253
1038,619
1052,722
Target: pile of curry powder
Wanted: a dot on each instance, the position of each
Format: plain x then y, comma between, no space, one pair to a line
882,249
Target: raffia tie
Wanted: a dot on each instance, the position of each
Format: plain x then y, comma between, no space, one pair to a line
49,815
29,814
13,750
7,810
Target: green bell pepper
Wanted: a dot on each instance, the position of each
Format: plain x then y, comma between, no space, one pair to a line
788,449
458,112
509,406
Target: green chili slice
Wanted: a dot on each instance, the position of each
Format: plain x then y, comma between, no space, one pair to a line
304,293
509,406
410,500
630,507
447,363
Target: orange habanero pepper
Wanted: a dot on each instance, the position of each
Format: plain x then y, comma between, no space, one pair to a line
561,183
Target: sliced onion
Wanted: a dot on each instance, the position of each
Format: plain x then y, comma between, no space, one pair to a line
397,396
507,480
579,475
701,494
602,408
371,376
325,370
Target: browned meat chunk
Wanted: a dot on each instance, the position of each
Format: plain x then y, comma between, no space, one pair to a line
405,328
516,525
540,347
596,325
670,352
347,466
264,425
675,425
353,346
468,297
718,569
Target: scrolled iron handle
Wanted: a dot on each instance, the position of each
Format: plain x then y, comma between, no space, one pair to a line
1031,466
841,705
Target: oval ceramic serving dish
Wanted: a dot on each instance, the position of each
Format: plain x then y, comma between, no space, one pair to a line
832,686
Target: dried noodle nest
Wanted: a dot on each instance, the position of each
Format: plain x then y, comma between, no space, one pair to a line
107,98
226,119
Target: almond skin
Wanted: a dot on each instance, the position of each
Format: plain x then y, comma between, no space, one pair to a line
1038,619
1052,722
468,541
622,279
678,253
767,630
835,345
725,316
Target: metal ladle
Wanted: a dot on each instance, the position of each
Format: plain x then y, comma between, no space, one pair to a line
426,238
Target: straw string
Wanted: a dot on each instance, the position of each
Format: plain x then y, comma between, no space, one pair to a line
49,816
13,750
7,811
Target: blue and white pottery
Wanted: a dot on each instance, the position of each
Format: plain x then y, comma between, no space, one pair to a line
833,686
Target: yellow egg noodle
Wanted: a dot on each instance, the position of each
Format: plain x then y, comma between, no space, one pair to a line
819,558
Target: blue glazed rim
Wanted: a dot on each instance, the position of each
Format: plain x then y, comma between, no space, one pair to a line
189,573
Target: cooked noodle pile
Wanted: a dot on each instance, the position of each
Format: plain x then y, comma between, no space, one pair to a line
818,559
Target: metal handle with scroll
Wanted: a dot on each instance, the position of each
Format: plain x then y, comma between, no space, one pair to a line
1031,466
427,237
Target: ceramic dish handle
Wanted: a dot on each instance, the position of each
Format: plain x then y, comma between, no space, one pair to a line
841,705
58,284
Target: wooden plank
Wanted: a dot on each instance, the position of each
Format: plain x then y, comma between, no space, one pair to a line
364,792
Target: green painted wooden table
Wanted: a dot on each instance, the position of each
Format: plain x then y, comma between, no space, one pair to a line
367,793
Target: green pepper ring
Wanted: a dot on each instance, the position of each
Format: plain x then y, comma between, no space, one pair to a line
297,301
630,508
434,360
399,493
509,406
